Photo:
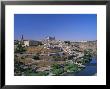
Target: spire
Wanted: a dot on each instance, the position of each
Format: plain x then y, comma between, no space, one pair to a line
22,38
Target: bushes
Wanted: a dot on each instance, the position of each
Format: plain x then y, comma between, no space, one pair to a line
87,56
88,53
17,69
57,72
55,66
42,73
36,58
56,58
32,73
70,67
20,48
57,69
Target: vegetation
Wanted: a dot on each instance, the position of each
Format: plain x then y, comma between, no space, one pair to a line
52,60
17,69
19,48
71,57
87,57
71,67
68,42
36,57
57,69
20,71
56,58
33,73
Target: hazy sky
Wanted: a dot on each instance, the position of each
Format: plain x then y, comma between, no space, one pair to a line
62,26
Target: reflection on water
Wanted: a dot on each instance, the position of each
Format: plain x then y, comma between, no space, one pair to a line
90,70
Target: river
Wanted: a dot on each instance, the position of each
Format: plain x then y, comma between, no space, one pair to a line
90,70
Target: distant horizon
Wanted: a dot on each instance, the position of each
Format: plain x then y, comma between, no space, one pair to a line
51,36
55,39
65,27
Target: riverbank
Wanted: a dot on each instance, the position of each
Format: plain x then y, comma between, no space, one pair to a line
90,70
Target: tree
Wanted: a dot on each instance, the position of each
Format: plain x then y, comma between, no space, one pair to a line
70,67
71,57
55,66
36,57
68,42
57,69
57,72
87,56
20,48
56,58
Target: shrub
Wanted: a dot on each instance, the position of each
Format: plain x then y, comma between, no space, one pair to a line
36,58
20,48
57,69
55,66
71,67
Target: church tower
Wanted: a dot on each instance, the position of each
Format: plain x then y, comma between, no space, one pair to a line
22,40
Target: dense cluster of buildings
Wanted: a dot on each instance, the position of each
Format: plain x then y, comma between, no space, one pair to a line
51,43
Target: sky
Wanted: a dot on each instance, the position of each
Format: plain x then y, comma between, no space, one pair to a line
63,26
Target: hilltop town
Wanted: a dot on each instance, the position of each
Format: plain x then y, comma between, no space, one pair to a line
51,57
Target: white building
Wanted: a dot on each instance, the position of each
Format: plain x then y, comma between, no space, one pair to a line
50,38
30,43
26,43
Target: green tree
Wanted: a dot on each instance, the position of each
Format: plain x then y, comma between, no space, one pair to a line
56,58
36,57
57,72
20,48
87,56
71,67
55,66
57,69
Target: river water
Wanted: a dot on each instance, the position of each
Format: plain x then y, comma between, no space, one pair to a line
90,70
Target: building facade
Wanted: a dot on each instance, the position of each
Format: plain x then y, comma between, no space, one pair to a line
50,38
31,43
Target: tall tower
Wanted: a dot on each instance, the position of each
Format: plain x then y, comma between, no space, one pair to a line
22,40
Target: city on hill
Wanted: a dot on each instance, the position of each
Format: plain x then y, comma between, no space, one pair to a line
51,57
55,44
